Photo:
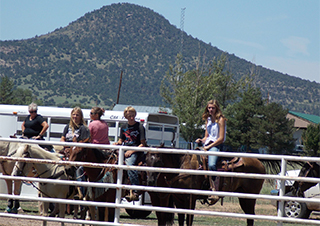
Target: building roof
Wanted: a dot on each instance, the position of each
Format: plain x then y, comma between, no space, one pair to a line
149,109
311,118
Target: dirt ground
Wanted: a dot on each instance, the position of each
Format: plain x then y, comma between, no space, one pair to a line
263,209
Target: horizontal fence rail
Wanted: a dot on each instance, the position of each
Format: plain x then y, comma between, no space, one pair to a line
119,186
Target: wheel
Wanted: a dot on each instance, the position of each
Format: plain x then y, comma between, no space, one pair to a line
138,214
295,209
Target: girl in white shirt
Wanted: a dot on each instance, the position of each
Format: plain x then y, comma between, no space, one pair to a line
215,135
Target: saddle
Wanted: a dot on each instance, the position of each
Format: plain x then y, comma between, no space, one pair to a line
227,165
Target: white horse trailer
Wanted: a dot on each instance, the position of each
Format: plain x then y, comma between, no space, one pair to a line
160,128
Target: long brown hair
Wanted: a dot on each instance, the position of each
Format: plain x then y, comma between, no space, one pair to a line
218,112
99,111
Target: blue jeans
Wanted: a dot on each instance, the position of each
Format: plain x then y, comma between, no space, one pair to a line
133,174
213,159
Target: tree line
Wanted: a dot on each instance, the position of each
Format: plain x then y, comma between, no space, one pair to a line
252,122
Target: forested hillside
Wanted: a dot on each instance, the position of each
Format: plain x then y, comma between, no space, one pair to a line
82,62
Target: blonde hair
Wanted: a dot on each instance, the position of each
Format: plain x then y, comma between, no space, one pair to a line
72,123
218,112
129,109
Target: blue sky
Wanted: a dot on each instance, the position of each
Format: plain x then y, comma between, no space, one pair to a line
282,35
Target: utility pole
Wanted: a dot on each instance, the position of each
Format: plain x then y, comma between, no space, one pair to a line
119,87
182,28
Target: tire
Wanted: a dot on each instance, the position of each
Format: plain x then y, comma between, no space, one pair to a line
138,214
295,209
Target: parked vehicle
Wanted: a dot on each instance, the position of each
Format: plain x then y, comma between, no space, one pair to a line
297,209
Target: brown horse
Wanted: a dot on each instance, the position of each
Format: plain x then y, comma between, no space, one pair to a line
232,184
310,169
102,175
174,180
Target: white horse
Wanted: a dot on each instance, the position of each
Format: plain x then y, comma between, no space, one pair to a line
6,167
51,171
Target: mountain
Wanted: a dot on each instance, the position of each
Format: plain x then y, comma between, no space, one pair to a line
82,62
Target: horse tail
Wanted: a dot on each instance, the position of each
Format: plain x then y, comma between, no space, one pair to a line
274,166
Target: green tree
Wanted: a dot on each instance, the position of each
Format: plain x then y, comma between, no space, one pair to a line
6,91
24,97
243,116
311,140
275,130
187,92
9,95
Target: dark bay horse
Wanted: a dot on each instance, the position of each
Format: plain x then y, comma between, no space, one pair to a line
174,180
102,175
309,169
232,184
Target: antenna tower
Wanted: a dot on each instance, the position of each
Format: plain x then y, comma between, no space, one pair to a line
182,28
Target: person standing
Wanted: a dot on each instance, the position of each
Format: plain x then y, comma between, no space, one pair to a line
132,134
214,138
99,129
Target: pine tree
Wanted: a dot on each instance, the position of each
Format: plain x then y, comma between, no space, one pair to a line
6,91
311,140
276,131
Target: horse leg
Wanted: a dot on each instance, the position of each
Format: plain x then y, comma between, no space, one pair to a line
162,217
17,190
55,211
106,214
10,201
181,219
45,208
248,205
101,213
192,206
111,214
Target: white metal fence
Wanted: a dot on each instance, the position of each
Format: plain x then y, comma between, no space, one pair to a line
118,205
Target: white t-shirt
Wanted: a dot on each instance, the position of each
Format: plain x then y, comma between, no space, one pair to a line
213,131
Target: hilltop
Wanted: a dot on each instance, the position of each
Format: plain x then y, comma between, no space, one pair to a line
82,62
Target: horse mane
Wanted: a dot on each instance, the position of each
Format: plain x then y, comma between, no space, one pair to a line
46,154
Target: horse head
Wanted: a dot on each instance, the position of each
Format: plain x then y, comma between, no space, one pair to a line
77,153
310,169
153,159
22,168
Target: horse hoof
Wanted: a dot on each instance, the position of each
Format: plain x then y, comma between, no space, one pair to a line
213,199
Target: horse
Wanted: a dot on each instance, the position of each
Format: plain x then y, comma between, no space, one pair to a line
174,180
50,171
6,167
309,169
102,175
231,184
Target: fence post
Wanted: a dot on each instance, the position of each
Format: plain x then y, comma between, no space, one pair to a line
119,182
282,190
